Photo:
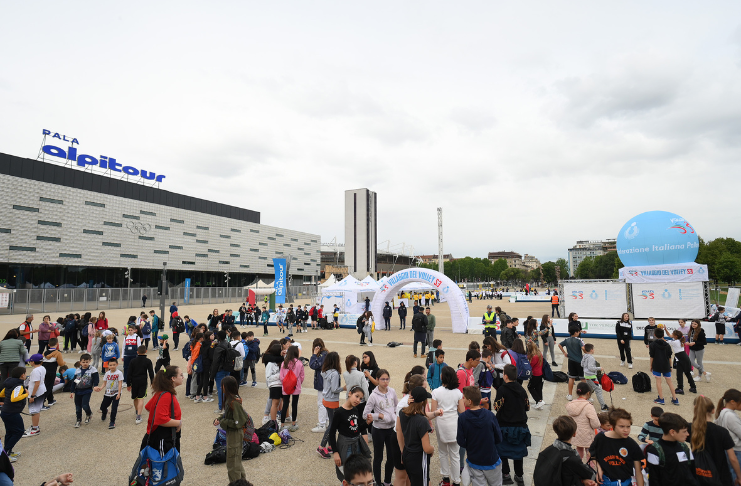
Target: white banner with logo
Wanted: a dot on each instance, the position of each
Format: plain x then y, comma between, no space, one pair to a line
595,299
667,300
675,272
4,300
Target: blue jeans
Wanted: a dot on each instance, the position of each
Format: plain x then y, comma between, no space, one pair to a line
610,482
82,401
14,429
5,480
220,375
738,456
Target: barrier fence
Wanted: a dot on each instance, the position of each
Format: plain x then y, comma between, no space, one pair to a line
30,301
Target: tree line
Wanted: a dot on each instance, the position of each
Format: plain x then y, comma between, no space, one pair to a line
470,269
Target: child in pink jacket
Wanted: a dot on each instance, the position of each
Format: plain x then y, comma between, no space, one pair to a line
291,378
585,416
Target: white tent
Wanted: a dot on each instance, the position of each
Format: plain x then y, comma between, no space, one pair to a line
349,290
259,285
417,286
371,283
330,281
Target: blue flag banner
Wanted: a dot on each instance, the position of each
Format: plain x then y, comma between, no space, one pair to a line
280,280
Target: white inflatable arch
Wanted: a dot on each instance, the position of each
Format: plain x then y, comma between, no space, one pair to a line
449,291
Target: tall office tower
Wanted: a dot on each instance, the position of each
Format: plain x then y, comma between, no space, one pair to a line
360,232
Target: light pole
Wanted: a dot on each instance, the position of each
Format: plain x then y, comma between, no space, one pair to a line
163,292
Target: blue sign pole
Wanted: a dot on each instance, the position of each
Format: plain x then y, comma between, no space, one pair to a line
187,291
280,280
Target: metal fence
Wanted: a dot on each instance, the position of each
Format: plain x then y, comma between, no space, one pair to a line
30,301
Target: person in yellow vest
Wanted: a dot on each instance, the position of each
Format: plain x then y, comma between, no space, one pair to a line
554,304
490,323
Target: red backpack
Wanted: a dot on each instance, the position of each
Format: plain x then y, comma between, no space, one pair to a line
606,383
290,382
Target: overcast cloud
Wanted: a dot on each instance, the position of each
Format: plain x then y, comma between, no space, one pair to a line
532,124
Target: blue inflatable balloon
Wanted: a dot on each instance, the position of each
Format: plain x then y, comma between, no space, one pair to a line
657,238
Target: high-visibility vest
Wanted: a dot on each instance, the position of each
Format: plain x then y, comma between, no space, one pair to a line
490,316
554,300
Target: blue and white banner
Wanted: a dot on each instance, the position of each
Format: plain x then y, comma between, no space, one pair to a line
666,300
280,280
595,299
675,272
186,300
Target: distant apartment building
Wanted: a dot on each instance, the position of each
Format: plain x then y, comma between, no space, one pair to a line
588,248
515,260
447,257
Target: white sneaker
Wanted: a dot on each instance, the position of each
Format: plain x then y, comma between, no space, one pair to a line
569,397
370,344
319,429
622,363
630,366
707,376
539,405
265,420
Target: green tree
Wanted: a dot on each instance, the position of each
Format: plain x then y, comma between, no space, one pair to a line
728,268
585,270
497,268
561,262
549,272
511,275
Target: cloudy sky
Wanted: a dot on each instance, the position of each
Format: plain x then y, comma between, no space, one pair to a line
532,124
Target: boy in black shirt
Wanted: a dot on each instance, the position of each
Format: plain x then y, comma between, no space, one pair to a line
661,354
669,461
618,456
139,368
511,405
164,353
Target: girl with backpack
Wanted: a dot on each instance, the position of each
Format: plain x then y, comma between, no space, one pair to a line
726,417
146,328
585,416
380,414
697,343
518,358
319,353
195,366
535,384
683,362
233,421
712,446
531,332
291,378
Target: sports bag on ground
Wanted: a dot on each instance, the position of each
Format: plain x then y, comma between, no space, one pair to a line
618,378
547,371
152,468
560,377
641,382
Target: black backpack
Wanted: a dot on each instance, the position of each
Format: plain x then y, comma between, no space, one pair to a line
418,323
560,377
360,325
232,359
548,467
641,382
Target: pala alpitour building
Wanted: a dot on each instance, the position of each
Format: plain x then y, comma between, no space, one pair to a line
66,225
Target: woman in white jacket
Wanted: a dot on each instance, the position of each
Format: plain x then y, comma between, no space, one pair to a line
726,417
272,360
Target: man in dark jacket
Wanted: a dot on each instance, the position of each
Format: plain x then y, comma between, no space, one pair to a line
661,355
419,326
509,334
387,313
511,405
402,316
218,371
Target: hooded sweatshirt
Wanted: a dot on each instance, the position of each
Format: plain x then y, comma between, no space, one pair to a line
15,396
298,370
332,386
479,428
732,423
356,378
648,334
624,331
382,403
585,416
590,365
661,352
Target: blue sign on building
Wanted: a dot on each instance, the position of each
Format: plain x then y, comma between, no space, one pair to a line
280,280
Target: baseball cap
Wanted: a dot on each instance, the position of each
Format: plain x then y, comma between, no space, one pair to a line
419,394
36,358
163,337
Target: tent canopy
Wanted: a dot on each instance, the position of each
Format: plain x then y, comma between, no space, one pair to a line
330,281
259,285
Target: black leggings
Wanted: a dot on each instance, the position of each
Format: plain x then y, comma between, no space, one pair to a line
201,384
383,438
625,349
176,338
325,437
535,387
146,343
294,407
418,467
684,367
518,467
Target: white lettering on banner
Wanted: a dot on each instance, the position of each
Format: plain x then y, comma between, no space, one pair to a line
679,272
281,273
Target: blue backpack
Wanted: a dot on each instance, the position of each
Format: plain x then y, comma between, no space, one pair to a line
547,371
618,378
524,370
155,469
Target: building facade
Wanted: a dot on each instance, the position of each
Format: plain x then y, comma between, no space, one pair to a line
333,263
360,232
66,227
588,248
